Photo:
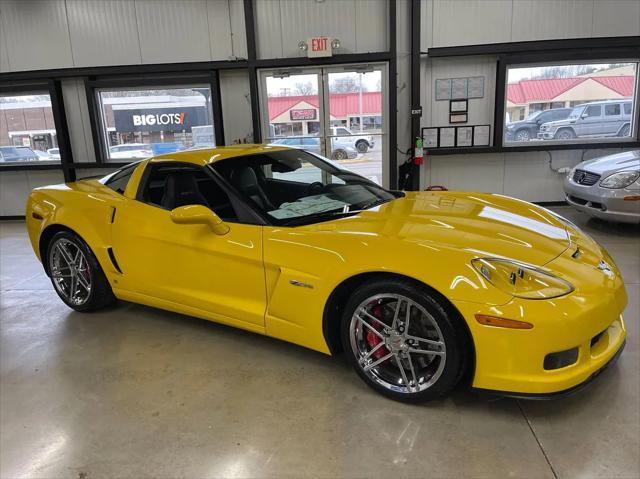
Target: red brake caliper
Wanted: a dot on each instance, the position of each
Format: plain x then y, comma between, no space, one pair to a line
372,338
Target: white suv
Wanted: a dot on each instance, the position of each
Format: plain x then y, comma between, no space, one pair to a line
361,143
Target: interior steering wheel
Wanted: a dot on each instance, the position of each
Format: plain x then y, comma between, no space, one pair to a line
315,188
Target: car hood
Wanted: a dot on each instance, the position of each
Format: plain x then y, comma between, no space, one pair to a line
621,161
482,224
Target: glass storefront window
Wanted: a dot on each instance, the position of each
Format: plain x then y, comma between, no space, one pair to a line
141,122
570,103
27,130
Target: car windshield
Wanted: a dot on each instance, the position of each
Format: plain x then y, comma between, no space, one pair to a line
294,187
533,115
576,112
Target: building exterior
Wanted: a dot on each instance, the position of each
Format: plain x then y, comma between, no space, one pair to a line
528,96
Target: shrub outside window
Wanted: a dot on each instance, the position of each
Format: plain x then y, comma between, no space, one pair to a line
571,103
140,122
27,131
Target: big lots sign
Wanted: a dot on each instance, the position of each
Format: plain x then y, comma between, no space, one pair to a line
160,119
319,47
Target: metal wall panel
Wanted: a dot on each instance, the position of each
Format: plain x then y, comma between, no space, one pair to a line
4,54
75,105
236,105
551,19
268,29
616,17
15,187
470,22
304,19
219,25
238,32
173,31
103,32
372,32
36,34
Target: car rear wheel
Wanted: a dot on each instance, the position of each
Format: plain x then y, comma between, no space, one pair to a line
362,146
339,155
625,130
402,342
523,135
565,134
76,274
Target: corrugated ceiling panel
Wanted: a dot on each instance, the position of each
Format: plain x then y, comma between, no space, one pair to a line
103,32
36,34
372,33
615,18
238,33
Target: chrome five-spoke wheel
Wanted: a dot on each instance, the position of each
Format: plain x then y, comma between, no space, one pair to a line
397,343
70,271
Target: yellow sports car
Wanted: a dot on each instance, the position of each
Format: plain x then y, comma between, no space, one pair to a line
422,291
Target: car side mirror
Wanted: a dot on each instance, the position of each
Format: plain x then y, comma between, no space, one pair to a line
539,122
199,215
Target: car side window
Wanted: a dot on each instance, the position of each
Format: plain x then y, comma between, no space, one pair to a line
172,185
120,179
627,108
343,131
593,110
612,109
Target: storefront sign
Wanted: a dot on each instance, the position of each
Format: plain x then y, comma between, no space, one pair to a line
319,47
303,114
160,119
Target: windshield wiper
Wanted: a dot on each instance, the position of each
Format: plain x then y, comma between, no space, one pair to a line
371,204
323,214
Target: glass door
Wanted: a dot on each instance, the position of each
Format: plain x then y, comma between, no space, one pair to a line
292,109
336,112
355,128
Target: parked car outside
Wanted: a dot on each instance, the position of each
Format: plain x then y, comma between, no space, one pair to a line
130,150
362,143
340,150
17,153
54,153
42,155
607,187
598,119
527,129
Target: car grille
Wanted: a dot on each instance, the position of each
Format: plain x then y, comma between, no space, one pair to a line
585,178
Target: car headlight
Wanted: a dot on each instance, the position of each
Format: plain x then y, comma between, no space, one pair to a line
521,280
622,179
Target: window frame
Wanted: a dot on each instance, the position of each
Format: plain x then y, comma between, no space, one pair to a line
54,90
559,58
93,88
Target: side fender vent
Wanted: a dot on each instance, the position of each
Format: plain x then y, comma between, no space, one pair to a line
113,215
112,257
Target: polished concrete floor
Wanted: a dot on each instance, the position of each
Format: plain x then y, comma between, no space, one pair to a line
135,392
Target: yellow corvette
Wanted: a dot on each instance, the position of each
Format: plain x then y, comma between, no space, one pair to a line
422,291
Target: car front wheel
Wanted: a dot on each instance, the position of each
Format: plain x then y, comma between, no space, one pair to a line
402,342
339,155
565,134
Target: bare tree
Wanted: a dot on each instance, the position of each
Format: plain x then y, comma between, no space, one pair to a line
346,84
304,89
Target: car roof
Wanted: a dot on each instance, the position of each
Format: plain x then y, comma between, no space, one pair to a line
207,156
603,102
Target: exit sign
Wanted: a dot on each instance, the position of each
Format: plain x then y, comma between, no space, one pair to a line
319,47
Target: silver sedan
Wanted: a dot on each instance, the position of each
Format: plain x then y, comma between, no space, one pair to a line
607,187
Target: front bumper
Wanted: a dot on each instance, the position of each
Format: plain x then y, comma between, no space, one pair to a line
546,135
560,394
589,319
603,203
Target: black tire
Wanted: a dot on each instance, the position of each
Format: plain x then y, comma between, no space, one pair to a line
451,332
522,135
100,294
339,155
625,130
565,134
362,146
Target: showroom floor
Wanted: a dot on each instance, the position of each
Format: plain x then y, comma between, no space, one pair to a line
137,392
